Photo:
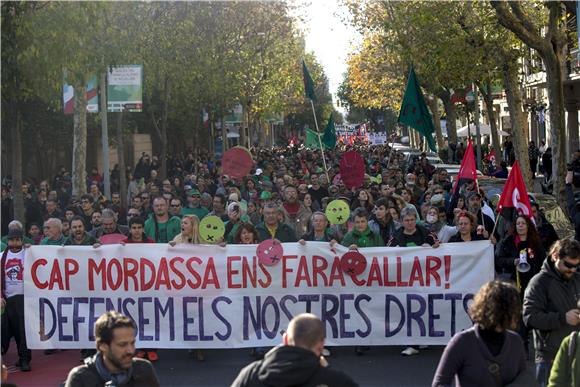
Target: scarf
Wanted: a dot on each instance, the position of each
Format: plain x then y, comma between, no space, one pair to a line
116,379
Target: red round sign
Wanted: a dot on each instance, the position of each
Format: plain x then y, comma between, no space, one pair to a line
353,263
270,252
352,169
237,162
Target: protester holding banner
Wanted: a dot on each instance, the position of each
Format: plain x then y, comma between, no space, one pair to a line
437,227
361,235
160,226
53,233
489,353
189,231
466,225
272,227
319,230
412,234
382,223
79,236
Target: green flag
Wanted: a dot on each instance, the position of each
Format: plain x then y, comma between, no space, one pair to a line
414,112
329,137
312,139
308,82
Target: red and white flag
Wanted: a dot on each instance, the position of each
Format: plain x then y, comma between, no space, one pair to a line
514,197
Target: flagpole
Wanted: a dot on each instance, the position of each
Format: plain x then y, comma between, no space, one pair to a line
477,186
391,154
320,141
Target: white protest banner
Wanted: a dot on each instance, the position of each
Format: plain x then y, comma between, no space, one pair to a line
200,296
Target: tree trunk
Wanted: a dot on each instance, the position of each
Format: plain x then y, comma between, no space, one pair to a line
121,160
514,100
105,136
451,114
434,106
16,151
225,141
166,94
555,79
487,97
79,169
245,124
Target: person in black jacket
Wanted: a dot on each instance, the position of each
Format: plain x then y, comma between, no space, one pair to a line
573,209
296,363
522,242
545,229
550,304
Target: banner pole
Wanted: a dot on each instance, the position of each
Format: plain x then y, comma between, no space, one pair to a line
320,142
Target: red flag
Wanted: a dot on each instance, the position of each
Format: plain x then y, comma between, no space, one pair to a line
467,172
515,194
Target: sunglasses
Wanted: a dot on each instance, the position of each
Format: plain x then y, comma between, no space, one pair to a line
569,265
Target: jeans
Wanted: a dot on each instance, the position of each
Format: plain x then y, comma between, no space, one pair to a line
543,373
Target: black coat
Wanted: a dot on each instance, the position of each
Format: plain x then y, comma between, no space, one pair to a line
506,253
291,366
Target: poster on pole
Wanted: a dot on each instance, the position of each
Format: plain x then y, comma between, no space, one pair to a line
206,296
68,95
125,88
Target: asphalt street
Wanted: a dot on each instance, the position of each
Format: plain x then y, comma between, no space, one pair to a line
381,366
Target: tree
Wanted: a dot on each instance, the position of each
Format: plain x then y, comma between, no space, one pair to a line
550,47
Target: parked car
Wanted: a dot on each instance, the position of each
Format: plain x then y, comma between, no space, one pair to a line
453,170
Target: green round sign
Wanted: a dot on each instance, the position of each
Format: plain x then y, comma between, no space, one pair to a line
337,211
211,229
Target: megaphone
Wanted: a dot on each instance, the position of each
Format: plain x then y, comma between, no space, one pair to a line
523,266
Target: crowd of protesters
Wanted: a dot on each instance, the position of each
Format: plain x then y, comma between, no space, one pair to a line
284,197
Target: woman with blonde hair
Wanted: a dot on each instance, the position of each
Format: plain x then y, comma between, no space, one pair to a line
189,234
189,231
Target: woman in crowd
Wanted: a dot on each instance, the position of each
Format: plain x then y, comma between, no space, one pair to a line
246,235
189,235
518,257
489,353
309,204
249,191
362,199
394,212
437,227
189,231
466,226
521,242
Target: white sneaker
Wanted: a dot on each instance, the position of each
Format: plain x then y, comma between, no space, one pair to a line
326,352
409,351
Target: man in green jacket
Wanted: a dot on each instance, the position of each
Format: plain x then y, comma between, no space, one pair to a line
160,227
566,368
361,235
53,233
272,227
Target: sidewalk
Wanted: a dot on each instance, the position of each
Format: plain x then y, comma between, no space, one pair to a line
47,370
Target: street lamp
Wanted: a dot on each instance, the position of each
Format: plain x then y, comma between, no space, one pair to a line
469,98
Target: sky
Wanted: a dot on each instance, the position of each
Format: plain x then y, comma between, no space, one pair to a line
329,38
